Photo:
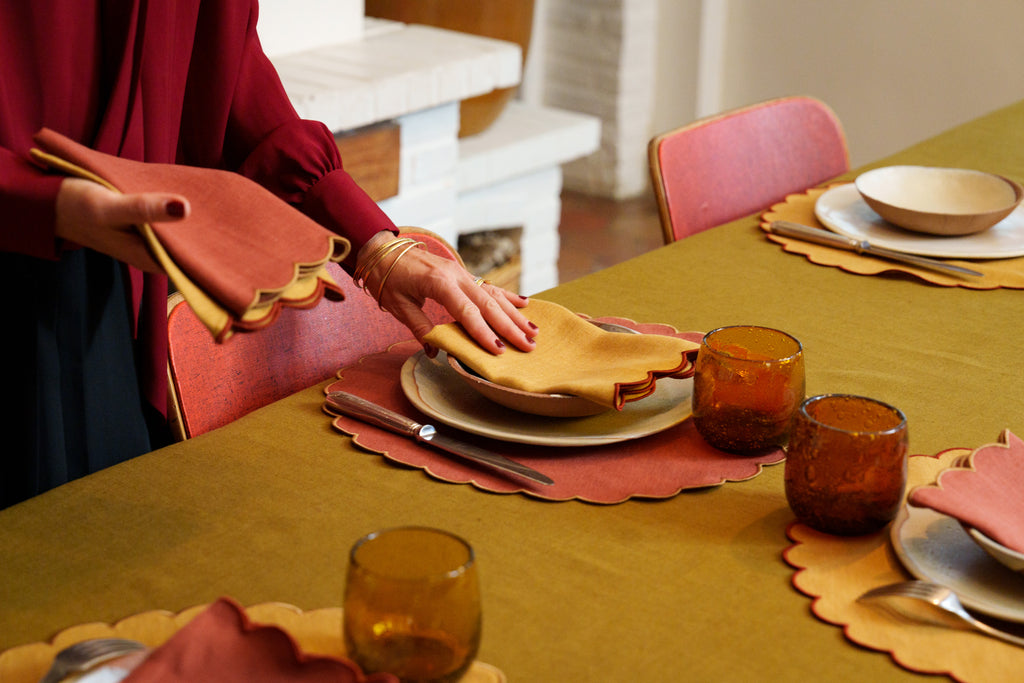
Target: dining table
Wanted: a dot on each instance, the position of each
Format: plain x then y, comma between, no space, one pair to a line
689,585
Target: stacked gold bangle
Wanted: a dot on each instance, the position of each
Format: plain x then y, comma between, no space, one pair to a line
402,245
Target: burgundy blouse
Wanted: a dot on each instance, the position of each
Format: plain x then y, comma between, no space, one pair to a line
158,81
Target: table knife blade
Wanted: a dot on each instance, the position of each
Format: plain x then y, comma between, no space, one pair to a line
831,239
360,408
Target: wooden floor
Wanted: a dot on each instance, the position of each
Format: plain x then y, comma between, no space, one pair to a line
597,232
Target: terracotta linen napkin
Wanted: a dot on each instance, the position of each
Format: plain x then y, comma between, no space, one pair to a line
985,490
240,255
575,357
221,644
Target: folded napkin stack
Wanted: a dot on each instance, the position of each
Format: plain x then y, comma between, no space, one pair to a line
221,644
985,491
240,255
574,357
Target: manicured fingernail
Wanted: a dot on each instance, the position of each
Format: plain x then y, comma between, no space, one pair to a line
532,326
523,298
175,208
429,350
500,344
530,340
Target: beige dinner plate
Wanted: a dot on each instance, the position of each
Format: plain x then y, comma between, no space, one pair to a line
934,547
436,390
842,210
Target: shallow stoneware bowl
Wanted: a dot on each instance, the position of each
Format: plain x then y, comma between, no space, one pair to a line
939,201
549,405
1007,556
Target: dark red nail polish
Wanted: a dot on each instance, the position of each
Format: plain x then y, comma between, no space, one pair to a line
175,208
532,326
500,344
523,298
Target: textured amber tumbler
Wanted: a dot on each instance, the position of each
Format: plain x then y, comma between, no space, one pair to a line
748,383
412,604
846,468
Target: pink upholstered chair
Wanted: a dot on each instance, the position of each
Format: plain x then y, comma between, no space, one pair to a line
212,384
730,165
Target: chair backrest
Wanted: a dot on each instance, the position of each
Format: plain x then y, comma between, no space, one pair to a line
212,384
730,165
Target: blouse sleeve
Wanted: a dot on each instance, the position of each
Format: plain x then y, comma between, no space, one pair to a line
27,203
296,159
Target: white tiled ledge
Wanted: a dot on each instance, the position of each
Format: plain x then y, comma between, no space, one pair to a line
394,69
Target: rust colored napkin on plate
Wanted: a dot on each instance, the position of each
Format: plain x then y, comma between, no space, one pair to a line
238,257
221,644
574,357
986,491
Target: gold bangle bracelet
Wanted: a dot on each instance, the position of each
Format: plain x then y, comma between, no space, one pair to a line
374,259
387,273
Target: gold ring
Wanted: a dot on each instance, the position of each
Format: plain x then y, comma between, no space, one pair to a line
480,281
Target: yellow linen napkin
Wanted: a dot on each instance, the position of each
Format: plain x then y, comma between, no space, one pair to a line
572,356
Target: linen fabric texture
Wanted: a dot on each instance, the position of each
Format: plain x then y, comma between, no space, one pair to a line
574,357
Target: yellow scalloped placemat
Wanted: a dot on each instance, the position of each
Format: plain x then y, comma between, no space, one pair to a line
834,571
799,208
316,631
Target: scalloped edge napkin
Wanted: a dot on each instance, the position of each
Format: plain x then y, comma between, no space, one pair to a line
238,257
574,357
985,490
222,644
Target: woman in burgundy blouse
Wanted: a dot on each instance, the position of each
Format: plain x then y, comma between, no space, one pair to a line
157,81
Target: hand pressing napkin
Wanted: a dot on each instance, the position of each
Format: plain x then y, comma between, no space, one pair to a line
221,644
572,356
985,491
240,255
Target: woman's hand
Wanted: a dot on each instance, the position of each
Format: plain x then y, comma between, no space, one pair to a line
489,314
92,216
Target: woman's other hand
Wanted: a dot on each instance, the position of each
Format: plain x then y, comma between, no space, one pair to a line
92,216
489,314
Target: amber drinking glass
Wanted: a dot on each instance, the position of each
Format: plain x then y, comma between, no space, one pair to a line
846,468
412,604
748,384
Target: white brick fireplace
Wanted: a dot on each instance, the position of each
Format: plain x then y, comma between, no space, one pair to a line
350,71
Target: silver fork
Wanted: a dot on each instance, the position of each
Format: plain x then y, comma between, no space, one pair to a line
940,597
86,654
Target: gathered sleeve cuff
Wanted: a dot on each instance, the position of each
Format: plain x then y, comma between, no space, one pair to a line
299,162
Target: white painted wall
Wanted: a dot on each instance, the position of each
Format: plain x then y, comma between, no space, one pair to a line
895,71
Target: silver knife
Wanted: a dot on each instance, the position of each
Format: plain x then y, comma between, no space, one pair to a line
831,239
355,406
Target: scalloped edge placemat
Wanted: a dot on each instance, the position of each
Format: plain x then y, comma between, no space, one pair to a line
799,208
661,465
835,570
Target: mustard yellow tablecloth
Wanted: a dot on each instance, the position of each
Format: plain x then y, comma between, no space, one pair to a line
692,588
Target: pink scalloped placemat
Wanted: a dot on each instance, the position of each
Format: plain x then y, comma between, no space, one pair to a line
834,571
657,466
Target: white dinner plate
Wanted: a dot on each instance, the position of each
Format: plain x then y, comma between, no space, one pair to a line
435,389
934,547
842,210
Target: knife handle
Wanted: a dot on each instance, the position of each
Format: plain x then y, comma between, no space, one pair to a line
810,234
368,411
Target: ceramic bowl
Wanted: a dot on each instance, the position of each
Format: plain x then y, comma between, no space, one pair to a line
1011,558
939,201
549,405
